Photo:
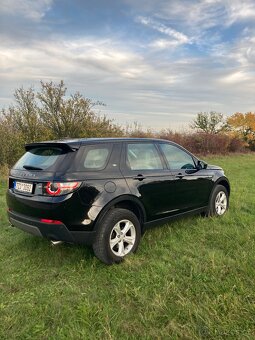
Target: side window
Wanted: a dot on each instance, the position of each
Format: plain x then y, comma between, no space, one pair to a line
94,157
143,156
177,158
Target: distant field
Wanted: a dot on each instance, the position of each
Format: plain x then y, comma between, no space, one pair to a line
191,279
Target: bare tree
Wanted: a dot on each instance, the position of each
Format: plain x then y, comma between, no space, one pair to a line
209,122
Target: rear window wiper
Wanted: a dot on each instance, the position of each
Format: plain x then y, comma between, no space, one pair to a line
31,167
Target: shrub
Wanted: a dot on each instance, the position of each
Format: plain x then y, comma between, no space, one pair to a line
204,143
236,145
4,171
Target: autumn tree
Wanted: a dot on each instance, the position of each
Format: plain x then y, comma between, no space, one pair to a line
74,116
24,115
209,122
12,142
243,126
50,114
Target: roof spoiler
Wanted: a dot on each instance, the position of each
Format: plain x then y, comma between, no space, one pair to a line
63,146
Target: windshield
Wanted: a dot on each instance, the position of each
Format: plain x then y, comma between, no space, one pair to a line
40,158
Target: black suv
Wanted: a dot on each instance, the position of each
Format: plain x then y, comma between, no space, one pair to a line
106,192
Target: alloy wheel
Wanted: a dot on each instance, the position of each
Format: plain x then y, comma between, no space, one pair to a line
122,238
221,203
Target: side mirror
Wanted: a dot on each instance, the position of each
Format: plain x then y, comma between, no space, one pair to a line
201,165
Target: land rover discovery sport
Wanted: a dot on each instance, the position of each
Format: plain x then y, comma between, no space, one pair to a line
106,192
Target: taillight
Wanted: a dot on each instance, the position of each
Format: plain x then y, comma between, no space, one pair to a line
56,188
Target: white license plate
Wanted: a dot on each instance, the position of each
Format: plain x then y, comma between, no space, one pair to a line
23,187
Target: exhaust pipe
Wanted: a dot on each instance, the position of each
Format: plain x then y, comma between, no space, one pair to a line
56,243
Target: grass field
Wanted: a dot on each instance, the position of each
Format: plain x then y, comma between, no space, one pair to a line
191,279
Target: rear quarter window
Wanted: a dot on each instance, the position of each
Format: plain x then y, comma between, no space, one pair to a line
93,157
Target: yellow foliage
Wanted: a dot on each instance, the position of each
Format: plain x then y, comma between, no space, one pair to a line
243,125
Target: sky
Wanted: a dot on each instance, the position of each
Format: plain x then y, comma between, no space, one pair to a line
156,62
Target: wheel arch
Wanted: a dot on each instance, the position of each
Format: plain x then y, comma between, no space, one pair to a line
220,181
224,182
125,202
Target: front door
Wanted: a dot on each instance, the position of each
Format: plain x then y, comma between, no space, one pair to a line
192,185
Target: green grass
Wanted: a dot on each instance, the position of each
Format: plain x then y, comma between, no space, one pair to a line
191,279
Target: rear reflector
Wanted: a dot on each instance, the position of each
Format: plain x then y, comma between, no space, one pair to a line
44,220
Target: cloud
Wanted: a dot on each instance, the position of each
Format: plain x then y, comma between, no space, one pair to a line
240,54
240,10
31,9
164,44
133,84
165,61
178,38
198,15
107,66
236,77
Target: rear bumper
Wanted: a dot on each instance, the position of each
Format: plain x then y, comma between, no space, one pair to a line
56,232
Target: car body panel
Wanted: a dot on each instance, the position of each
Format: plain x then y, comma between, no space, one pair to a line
192,190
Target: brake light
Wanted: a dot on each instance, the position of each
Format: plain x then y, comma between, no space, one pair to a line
44,220
56,188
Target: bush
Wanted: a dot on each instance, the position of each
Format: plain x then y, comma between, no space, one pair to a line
236,145
4,171
205,143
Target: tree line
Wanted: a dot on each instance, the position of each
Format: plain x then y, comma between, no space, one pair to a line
239,125
48,114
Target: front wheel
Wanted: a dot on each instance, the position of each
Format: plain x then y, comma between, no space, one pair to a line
219,201
118,235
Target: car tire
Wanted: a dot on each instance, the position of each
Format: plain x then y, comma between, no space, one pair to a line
118,235
219,201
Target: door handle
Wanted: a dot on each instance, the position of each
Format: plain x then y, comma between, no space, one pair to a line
139,177
179,175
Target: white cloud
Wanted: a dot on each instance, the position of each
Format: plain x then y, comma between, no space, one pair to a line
31,9
178,38
144,81
197,15
235,77
161,44
242,53
100,69
240,10
169,93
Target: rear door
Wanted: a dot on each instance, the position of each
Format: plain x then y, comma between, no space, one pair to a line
148,178
192,185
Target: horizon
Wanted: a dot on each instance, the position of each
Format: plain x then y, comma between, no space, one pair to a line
157,64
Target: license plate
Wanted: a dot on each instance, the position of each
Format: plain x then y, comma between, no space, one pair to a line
23,187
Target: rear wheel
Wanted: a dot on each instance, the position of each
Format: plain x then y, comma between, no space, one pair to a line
219,201
118,235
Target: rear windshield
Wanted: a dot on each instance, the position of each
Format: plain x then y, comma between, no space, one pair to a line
41,158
